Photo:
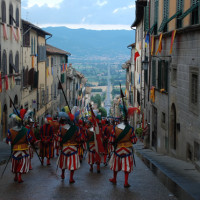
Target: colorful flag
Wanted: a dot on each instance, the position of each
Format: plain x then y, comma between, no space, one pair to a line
139,79
5,35
172,41
32,61
147,40
152,45
63,68
0,83
14,34
136,54
18,34
66,66
125,92
6,82
47,71
159,45
13,80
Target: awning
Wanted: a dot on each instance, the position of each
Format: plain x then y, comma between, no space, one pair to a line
166,21
189,10
152,28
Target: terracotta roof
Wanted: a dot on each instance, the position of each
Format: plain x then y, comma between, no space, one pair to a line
24,22
79,74
131,45
53,50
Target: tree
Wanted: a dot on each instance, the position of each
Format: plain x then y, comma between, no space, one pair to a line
96,99
103,112
103,96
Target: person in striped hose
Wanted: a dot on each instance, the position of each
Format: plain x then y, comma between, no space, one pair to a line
122,138
19,138
68,158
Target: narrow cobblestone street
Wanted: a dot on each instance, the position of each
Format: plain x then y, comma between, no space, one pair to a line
44,183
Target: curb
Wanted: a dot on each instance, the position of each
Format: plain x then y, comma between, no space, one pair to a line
180,193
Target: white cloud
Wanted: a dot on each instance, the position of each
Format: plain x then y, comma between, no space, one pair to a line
40,3
90,26
103,3
85,18
131,6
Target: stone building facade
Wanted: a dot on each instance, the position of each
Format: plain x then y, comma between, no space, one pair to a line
174,115
10,61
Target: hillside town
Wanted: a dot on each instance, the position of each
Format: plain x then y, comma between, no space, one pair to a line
91,123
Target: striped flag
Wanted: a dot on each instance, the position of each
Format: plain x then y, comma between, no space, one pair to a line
152,45
147,40
18,34
172,41
159,44
6,82
5,35
14,34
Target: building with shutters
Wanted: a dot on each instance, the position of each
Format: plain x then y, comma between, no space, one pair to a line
137,59
56,67
10,61
173,85
33,71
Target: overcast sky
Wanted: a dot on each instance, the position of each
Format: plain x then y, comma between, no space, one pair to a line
90,14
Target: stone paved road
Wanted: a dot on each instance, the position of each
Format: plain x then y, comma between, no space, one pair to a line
44,183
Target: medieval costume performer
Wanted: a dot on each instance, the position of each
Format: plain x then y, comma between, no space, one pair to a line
55,125
94,143
81,126
29,126
122,138
18,137
46,143
69,139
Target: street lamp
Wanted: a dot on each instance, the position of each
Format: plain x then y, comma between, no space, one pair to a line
18,80
145,63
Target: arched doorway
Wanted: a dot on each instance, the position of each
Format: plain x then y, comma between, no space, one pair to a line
5,121
173,130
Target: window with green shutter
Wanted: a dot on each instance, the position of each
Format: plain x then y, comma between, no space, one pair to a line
165,13
159,74
156,17
179,7
166,66
153,73
62,78
195,12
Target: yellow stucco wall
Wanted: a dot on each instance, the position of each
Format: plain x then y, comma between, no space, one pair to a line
172,11
27,96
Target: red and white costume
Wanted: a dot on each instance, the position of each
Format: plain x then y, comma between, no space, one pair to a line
122,157
69,158
93,156
20,151
46,145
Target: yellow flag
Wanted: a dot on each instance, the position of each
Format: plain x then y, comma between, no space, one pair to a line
159,45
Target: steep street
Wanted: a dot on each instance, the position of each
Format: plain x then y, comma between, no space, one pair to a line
43,182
